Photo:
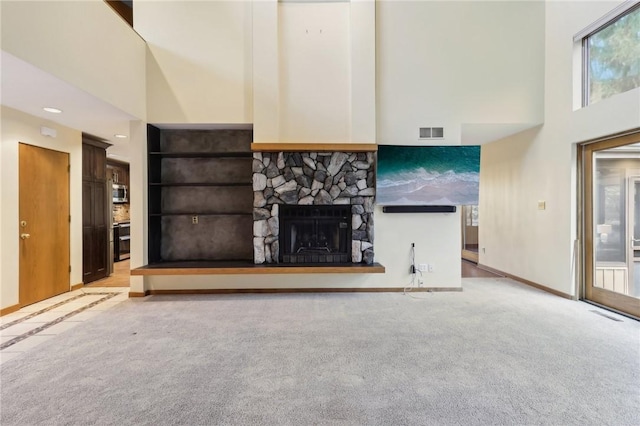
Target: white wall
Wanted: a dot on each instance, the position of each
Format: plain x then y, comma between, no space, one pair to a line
2,295
436,63
451,63
84,43
437,236
266,74
138,201
19,127
606,117
315,74
198,60
310,86
394,234
540,164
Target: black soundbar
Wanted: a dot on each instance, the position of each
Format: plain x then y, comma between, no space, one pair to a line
418,209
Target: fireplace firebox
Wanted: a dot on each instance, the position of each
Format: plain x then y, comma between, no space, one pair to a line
315,234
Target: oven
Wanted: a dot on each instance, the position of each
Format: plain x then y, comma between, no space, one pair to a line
121,240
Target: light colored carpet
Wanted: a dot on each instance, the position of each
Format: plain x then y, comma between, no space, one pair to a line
498,353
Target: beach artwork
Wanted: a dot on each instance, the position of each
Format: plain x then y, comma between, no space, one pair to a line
428,175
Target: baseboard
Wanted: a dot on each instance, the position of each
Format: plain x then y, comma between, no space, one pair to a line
9,309
525,281
490,269
438,289
296,290
77,286
138,294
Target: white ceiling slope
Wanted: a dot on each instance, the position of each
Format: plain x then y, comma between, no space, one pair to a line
482,133
28,89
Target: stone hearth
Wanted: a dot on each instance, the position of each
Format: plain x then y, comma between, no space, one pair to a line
312,178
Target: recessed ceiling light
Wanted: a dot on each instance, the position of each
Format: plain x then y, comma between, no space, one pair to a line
53,110
119,136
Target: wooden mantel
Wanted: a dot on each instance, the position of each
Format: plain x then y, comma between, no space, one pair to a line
313,147
239,267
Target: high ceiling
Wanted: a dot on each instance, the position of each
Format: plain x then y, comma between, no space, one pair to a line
29,89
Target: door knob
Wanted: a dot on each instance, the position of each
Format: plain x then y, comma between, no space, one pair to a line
25,236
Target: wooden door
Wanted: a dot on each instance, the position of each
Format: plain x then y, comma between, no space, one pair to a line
44,223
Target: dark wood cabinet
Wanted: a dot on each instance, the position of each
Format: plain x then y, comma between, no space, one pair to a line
95,219
94,160
118,172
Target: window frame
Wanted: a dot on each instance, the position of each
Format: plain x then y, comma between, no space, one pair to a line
583,36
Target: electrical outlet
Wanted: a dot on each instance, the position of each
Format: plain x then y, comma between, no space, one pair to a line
423,267
194,220
430,268
420,283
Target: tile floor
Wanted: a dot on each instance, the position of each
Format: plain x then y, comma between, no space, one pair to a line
25,329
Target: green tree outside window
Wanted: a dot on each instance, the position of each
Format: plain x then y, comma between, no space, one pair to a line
614,58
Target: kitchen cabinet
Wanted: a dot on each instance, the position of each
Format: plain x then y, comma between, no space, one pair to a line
118,172
94,160
95,214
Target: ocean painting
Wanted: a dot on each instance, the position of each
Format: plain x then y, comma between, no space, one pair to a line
428,175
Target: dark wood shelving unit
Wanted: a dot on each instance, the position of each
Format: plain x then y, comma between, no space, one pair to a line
200,214
191,154
204,174
222,184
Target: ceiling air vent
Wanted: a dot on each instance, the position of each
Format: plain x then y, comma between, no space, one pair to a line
431,132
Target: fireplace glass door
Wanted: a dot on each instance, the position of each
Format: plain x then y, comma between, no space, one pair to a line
315,234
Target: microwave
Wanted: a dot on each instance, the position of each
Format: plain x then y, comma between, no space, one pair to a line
120,193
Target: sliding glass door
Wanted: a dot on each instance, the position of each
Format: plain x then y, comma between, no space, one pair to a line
611,223
633,288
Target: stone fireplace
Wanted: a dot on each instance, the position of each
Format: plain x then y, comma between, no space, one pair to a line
342,233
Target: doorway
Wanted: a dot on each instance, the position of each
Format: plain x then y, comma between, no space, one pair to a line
44,259
470,227
611,223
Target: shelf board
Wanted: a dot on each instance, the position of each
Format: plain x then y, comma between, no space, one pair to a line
200,214
160,184
314,147
246,267
165,154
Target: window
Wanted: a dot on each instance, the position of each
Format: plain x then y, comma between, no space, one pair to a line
612,56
